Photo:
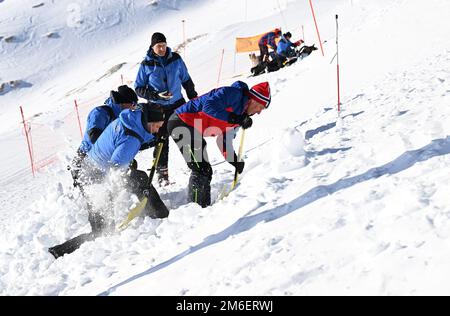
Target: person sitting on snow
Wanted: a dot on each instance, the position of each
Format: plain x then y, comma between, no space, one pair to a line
98,119
114,150
217,113
285,47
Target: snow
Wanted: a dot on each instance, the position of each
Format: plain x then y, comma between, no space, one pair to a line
354,203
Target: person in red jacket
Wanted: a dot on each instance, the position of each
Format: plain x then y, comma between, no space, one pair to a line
217,113
268,39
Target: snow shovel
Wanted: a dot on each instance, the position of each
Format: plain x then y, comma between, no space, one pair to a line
137,210
224,193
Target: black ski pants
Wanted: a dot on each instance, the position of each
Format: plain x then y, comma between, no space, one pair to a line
193,148
163,131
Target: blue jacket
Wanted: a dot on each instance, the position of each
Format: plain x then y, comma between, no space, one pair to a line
158,74
284,47
268,39
120,141
98,119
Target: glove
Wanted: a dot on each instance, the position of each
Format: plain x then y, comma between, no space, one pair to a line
133,164
243,120
299,42
239,165
192,94
166,96
148,145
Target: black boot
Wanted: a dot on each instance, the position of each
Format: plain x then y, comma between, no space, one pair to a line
71,245
155,207
98,222
163,176
200,189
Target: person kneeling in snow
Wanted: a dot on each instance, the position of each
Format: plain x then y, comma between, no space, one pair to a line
98,119
114,150
286,53
217,113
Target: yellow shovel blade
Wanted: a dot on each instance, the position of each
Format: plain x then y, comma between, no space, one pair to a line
133,213
225,192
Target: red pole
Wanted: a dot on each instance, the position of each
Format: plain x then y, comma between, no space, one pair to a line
337,68
220,68
28,140
317,29
78,116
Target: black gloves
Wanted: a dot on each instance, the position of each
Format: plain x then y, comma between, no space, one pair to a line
243,120
166,96
239,165
151,95
150,144
133,164
192,94
188,85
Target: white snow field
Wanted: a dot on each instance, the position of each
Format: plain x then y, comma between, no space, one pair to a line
328,204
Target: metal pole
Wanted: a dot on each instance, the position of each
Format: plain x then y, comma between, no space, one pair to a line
337,68
240,154
184,39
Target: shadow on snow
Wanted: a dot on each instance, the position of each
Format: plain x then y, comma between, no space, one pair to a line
437,147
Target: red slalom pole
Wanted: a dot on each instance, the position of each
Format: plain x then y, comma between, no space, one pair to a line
337,68
78,116
317,29
220,68
28,140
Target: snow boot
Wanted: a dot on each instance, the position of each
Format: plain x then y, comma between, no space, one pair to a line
199,189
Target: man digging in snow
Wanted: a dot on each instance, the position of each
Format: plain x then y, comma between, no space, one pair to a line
115,149
216,113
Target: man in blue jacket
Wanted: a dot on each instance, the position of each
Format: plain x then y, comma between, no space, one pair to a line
286,47
217,113
115,149
98,119
159,80
286,54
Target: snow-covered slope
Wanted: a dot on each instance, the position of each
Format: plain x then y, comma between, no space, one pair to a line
328,204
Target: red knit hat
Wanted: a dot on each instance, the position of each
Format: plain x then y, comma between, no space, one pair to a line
261,93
